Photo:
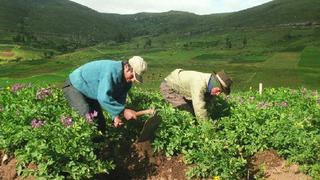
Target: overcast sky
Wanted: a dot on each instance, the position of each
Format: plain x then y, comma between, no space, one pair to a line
196,6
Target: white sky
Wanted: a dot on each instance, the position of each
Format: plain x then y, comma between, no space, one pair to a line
200,7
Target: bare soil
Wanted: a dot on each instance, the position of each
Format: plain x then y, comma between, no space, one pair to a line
141,163
269,165
137,161
7,168
7,54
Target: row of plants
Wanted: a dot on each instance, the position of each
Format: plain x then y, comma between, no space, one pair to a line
38,127
242,124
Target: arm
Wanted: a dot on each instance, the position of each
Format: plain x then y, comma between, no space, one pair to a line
198,102
106,99
127,113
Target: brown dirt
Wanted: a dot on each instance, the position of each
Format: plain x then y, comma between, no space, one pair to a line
141,163
269,165
7,54
137,161
8,169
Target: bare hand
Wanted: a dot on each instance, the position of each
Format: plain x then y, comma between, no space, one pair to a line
129,114
117,122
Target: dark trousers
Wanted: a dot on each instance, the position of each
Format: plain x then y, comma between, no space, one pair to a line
174,98
83,104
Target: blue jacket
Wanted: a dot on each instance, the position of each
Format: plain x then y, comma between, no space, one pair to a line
103,81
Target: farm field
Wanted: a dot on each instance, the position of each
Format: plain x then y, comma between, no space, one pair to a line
277,69
281,120
272,135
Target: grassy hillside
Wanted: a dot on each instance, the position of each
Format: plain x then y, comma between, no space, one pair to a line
278,52
71,21
277,12
51,21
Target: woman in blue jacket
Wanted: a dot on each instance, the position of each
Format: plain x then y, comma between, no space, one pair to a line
104,84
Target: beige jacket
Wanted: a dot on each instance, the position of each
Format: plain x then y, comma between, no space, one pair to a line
192,85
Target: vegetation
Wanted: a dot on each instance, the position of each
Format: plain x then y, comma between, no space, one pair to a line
282,119
65,26
58,141
42,42
310,58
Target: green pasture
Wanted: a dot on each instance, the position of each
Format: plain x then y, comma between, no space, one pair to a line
310,57
274,57
12,52
272,69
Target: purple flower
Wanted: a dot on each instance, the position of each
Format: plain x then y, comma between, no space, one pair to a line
91,116
66,121
42,93
17,87
35,123
284,104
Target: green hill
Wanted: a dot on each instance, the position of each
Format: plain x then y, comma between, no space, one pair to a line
63,19
273,14
44,22
277,12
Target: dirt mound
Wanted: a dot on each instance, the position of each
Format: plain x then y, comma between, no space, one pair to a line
137,161
7,167
141,163
269,165
170,168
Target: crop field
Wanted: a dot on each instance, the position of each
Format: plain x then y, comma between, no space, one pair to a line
276,58
16,53
273,69
60,143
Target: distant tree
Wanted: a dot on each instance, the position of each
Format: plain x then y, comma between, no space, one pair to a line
17,59
228,43
48,54
24,34
288,37
162,43
120,38
147,44
244,42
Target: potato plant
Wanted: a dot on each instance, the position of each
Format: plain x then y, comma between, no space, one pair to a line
38,127
242,124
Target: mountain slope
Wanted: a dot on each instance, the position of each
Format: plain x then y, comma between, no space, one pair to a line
66,19
55,17
277,12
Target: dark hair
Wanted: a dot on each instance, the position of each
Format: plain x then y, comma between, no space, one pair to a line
126,63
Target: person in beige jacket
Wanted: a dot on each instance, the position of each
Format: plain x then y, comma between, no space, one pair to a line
181,86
